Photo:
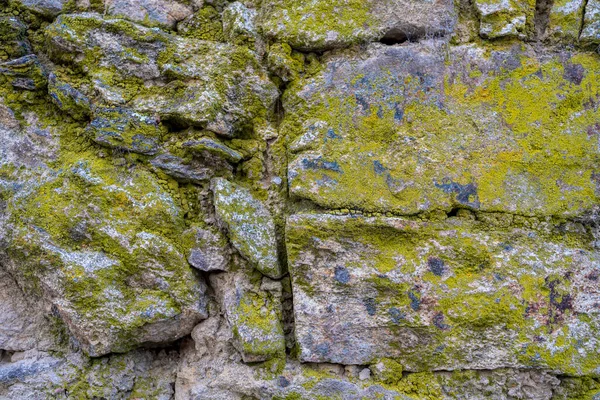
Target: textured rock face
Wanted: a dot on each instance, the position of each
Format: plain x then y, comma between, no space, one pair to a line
488,113
285,200
303,25
446,295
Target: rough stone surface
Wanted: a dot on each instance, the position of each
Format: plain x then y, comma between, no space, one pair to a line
301,24
151,12
443,296
590,33
489,114
299,200
253,314
250,225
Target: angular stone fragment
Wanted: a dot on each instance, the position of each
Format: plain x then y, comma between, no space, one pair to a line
447,295
218,86
505,18
239,24
22,321
250,225
25,73
98,243
323,24
14,38
123,129
254,315
564,21
207,249
590,33
214,147
69,99
191,169
165,13
420,127
47,8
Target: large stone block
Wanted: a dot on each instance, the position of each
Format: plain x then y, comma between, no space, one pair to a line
421,127
306,25
457,294
98,243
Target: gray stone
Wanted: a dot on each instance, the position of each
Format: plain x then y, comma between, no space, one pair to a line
214,147
420,127
505,18
239,24
590,33
47,8
190,81
191,169
254,315
564,21
207,249
304,25
69,99
123,129
163,13
250,225
443,296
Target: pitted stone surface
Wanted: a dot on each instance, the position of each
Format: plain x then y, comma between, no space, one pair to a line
443,295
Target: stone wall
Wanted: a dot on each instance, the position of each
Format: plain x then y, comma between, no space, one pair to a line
283,199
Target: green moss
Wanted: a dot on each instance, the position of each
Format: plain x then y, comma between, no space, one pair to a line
302,26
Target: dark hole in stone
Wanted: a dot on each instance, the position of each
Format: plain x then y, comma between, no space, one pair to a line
394,36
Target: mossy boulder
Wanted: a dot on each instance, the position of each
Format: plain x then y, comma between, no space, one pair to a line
304,26
98,242
219,86
451,295
420,127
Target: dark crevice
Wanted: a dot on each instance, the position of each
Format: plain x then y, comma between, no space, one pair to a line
542,17
584,7
394,36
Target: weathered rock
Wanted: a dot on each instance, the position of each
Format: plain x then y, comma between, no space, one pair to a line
419,127
14,38
191,169
253,314
207,249
590,33
123,129
23,323
250,225
25,73
447,295
46,8
98,243
138,374
304,27
239,24
204,24
69,99
505,18
149,12
564,21
212,146
218,86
